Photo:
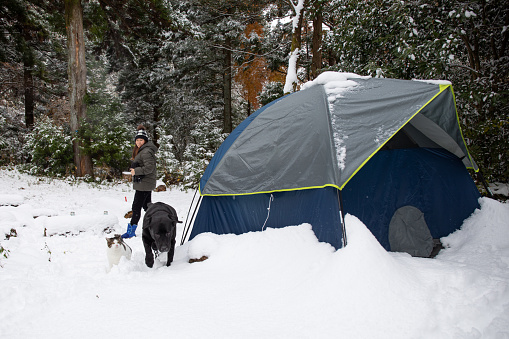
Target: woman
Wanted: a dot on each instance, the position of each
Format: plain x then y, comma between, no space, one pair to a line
143,170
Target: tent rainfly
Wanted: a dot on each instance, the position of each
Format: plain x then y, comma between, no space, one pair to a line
388,151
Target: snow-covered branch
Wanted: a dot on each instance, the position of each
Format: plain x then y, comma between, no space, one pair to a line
297,9
291,75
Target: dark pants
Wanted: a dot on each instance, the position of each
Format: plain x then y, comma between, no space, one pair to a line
141,199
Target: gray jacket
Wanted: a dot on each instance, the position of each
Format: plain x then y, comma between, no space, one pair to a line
146,160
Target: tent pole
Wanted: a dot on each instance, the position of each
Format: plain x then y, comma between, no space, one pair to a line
184,235
342,216
485,184
187,217
186,226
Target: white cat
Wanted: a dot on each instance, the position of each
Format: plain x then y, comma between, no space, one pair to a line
117,248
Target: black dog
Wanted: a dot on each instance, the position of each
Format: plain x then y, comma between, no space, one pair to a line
159,231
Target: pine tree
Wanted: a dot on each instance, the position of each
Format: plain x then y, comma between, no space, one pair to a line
31,56
168,167
206,139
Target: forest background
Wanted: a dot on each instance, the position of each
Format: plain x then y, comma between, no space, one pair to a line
78,76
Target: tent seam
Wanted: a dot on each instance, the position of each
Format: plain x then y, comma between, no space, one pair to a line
272,191
461,133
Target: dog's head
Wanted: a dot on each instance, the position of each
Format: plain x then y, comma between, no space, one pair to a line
162,229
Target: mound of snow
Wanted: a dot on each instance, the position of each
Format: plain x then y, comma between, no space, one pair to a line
485,232
279,283
335,83
435,82
8,221
334,79
11,199
202,245
500,188
73,225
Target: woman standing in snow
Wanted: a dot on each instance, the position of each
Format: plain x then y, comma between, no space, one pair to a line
143,171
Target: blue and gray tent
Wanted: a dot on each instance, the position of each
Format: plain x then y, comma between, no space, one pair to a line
389,152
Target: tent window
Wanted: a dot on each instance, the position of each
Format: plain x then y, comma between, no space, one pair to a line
409,137
400,140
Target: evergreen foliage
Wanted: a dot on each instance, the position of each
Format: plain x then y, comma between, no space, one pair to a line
271,91
50,149
12,131
465,42
205,140
276,46
166,64
168,167
106,136
32,55
107,143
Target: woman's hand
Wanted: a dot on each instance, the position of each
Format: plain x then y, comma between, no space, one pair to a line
132,171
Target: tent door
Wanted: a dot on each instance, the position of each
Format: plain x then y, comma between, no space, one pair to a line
408,232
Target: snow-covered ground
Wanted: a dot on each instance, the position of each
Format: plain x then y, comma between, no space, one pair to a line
280,283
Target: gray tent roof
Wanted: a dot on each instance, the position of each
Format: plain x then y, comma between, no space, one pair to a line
322,135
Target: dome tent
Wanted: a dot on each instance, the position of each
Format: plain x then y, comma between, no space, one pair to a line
343,144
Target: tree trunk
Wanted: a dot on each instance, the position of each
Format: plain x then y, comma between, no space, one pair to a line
28,84
316,61
28,77
157,118
77,73
227,91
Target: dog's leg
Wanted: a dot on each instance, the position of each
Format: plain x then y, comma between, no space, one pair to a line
149,256
154,249
171,252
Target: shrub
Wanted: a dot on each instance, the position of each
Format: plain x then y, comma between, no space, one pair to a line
108,145
50,149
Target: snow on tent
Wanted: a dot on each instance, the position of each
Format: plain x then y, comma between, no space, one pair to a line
388,151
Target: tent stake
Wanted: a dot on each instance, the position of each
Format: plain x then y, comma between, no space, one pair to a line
485,184
342,216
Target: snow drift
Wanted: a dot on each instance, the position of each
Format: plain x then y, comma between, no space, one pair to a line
280,283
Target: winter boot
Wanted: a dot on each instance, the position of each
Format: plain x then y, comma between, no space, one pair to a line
130,231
